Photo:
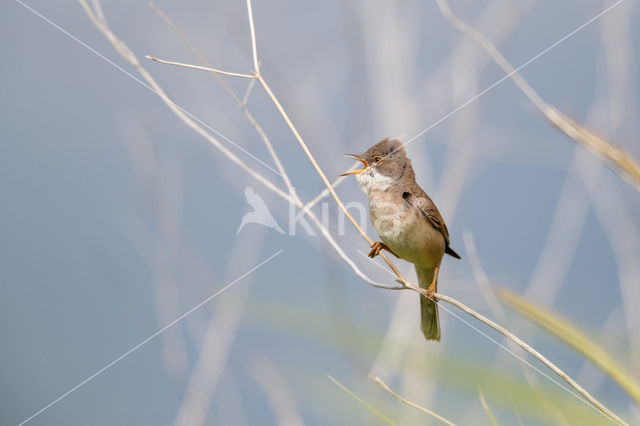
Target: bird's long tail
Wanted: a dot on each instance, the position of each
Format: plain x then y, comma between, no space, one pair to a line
428,309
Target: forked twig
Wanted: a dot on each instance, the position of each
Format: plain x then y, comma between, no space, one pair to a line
197,67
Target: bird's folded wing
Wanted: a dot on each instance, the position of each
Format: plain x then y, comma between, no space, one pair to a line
429,210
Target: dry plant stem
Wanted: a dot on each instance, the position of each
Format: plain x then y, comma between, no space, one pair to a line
124,51
322,175
304,146
242,103
380,383
617,159
197,67
532,351
254,48
325,192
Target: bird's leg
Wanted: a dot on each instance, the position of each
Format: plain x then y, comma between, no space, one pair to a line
432,287
377,247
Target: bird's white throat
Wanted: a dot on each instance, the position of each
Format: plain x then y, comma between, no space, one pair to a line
371,181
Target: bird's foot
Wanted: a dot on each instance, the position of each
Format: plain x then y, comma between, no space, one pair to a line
431,290
377,247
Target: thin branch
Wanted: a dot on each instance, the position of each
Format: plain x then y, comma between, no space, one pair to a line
254,48
325,192
242,103
128,55
321,173
306,149
197,67
380,383
616,158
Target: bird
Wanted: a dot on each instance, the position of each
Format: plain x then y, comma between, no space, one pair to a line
406,220
260,213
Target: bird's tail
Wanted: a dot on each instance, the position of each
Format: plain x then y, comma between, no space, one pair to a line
428,309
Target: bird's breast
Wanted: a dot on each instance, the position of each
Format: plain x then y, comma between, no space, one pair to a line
406,231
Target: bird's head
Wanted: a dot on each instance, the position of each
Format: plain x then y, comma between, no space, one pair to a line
384,165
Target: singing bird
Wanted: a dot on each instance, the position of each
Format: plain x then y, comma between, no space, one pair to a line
406,220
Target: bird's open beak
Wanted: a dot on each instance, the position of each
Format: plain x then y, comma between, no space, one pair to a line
355,172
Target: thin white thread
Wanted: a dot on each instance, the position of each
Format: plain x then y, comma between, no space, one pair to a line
121,357
109,61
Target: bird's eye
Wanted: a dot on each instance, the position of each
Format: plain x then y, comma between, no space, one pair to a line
376,160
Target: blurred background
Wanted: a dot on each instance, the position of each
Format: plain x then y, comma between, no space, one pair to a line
116,218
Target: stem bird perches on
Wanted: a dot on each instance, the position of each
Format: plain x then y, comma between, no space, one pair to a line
100,23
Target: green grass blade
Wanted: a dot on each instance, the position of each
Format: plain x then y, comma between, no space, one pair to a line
370,407
577,339
494,422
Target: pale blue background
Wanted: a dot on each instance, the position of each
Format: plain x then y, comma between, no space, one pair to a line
80,223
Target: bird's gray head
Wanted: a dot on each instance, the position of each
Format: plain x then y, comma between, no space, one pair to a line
385,165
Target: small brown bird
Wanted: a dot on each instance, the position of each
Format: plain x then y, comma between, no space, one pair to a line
407,221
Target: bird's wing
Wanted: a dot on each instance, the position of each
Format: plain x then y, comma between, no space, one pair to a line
422,202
